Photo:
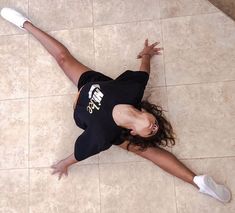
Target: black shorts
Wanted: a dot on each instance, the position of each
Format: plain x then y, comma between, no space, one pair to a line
90,76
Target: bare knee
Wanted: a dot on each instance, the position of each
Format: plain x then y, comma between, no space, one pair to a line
62,57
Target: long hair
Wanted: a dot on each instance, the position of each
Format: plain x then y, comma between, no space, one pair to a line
165,135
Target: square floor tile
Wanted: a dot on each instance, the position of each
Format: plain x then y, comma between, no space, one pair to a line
14,66
46,77
14,134
14,190
203,118
172,8
60,15
116,48
53,131
6,27
191,201
118,11
157,96
199,49
135,187
78,192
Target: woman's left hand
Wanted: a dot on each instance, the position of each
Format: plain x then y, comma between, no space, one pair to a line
61,168
150,50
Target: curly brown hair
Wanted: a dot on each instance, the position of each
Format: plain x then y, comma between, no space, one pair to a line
165,135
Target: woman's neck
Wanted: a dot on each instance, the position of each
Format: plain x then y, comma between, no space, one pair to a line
126,115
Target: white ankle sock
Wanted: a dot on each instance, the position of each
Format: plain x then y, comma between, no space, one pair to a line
208,186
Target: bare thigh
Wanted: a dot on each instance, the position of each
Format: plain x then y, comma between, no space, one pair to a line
72,67
132,148
148,153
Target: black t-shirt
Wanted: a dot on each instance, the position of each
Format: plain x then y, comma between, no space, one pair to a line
93,111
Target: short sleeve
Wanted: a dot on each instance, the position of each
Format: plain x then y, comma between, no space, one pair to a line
141,77
85,147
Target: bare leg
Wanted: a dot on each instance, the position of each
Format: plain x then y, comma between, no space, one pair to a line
71,67
165,160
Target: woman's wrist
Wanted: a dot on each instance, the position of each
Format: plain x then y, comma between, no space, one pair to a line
69,160
145,63
146,55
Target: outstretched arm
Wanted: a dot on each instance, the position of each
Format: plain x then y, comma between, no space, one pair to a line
146,54
62,166
145,63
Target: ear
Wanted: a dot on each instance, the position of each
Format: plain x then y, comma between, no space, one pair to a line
133,132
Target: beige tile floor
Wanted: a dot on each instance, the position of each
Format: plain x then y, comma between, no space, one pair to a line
194,80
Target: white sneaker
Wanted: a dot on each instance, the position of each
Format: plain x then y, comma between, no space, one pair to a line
14,17
208,186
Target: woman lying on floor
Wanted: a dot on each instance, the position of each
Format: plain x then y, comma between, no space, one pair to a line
111,112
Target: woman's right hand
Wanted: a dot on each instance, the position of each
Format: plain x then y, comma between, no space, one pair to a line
149,49
60,168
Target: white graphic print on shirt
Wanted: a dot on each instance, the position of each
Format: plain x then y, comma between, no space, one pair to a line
95,98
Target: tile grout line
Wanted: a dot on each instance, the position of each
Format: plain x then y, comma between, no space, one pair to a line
164,68
167,100
193,15
163,59
120,162
49,31
99,181
123,162
163,55
163,44
172,85
176,206
93,35
128,22
28,121
209,158
35,97
202,83
143,20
